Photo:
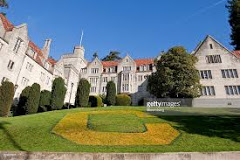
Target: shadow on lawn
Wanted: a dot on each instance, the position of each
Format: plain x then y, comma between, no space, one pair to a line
11,138
227,127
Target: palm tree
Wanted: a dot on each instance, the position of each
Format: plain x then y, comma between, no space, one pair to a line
3,3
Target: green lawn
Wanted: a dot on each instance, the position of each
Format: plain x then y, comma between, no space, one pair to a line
219,131
116,123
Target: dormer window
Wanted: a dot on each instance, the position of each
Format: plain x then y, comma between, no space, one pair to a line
32,53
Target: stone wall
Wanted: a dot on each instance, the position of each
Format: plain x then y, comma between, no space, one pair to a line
119,156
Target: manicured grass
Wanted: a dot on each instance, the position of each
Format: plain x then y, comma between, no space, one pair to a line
220,132
74,128
128,123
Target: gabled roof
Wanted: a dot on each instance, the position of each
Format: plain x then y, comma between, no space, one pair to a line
237,53
109,63
208,36
8,26
141,62
52,61
35,48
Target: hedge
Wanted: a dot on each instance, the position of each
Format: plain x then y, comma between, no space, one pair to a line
111,93
33,99
83,91
6,98
58,94
123,100
21,108
95,101
44,103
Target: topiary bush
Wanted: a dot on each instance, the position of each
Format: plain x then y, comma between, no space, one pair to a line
33,99
21,107
44,103
95,101
83,91
111,93
123,100
58,94
6,98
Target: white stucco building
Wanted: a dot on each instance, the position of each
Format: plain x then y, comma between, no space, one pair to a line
24,63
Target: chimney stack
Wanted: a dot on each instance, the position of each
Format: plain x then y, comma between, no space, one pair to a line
79,51
46,48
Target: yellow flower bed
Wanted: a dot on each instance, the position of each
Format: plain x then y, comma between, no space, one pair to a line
74,128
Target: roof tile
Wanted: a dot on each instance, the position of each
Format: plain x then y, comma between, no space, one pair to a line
6,23
141,62
237,53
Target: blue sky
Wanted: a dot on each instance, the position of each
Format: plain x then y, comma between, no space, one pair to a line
142,28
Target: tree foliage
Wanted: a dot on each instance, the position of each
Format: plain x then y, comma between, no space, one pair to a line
33,99
3,3
112,56
83,91
6,98
58,94
21,108
234,21
95,55
111,93
176,75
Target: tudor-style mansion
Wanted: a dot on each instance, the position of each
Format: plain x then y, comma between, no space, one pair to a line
24,63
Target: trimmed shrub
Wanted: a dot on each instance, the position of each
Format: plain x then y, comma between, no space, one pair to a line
58,94
95,101
6,98
111,93
123,100
83,91
44,103
33,99
21,108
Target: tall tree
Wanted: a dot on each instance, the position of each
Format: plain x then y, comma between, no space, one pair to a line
33,99
234,21
112,56
111,93
6,98
58,94
83,91
3,3
176,75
